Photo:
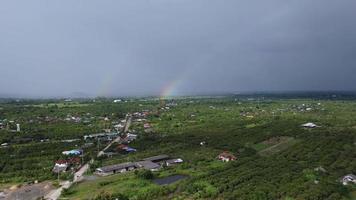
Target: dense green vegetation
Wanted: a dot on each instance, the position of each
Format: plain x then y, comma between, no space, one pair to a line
30,154
276,157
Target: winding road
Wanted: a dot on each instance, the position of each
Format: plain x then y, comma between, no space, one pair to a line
78,176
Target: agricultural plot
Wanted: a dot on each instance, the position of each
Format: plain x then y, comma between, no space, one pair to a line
274,145
275,156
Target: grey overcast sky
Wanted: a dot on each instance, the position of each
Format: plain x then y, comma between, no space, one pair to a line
144,47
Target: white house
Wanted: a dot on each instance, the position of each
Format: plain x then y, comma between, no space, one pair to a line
309,125
173,161
18,128
350,178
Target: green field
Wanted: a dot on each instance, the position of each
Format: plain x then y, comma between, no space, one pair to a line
276,157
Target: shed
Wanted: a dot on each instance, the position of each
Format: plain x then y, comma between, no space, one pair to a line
158,158
118,168
149,165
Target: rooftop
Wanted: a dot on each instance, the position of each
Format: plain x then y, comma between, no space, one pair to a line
148,165
111,168
156,158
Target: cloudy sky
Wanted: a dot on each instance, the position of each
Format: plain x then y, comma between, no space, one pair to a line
149,47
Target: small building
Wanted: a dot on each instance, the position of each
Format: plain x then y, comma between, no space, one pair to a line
18,129
172,162
72,152
146,125
60,168
118,168
309,125
119,126
4,144
226,157
126,148
350,178
149,165
102,136
129,138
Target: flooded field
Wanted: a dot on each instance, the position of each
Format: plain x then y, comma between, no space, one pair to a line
169,179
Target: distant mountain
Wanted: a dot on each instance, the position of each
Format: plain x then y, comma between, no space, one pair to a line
9,95
79,95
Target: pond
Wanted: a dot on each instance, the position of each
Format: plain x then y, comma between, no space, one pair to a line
169,179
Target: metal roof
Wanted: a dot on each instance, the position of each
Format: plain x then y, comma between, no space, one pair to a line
148,165
156,158
111,168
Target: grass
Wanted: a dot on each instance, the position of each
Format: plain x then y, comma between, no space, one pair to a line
283,145
265,166
127,183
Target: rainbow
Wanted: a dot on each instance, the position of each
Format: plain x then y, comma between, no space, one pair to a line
106,85
170,89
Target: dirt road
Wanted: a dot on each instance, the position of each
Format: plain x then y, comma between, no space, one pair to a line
28,192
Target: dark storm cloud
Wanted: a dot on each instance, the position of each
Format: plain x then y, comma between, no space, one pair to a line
55,48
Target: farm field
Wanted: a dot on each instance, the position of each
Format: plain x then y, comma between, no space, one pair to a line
276,158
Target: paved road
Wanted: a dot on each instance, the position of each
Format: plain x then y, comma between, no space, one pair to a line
78,176
117,140
128,124
55,194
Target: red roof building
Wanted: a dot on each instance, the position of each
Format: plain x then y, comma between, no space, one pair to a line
226,156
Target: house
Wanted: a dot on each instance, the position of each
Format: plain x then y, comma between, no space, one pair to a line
126,148
309,125
172,162
117,100
129,138
132,136
118,168
73,152
226,156
60,167
102,136
122,146
4,144
146,125
348,178
149,165
129,149
119,126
